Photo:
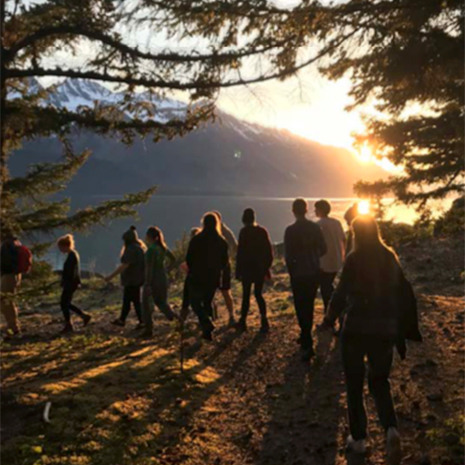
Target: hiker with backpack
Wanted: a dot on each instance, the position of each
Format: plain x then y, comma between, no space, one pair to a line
16,260
380,314
70,282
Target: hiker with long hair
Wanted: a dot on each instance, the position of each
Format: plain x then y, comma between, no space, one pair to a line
156,281
253,263
349,215
207,257
70,282
225,283
303,246
380,313
132,271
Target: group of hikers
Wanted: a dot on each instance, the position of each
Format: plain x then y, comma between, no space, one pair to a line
373,301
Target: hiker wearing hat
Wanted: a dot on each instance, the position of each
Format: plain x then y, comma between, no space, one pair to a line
132,271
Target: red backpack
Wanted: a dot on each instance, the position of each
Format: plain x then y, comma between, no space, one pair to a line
24,259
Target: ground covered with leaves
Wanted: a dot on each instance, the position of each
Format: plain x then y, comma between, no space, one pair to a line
244,399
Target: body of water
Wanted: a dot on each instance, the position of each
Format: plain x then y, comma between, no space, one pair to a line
176,215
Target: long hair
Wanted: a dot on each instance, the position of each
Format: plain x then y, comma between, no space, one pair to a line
156,234
211,223
66,241
377,263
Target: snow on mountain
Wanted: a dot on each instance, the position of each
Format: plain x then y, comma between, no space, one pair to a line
75,93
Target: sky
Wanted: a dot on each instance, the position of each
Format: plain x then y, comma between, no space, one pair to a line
308,105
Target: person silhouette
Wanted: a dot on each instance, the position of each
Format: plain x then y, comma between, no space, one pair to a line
331,262
70,282
253,263
225,284
207,258
380,313
156,281
132,271
304,244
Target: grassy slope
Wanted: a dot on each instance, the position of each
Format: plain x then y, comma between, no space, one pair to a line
243,399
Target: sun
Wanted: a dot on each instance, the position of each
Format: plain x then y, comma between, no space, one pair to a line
364,154
363,207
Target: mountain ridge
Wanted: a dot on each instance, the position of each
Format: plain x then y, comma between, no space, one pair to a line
226,156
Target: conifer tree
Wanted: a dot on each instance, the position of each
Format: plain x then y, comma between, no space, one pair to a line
397,53
408,62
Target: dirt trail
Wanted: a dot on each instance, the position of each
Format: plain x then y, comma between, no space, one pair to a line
244,399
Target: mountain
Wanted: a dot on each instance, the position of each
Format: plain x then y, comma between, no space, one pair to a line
229,156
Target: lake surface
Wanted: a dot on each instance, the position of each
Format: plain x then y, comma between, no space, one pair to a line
176,215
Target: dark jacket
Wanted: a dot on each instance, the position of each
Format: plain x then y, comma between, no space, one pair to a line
9,257
71,275
254,253
304,244
134,257
207,256
378,302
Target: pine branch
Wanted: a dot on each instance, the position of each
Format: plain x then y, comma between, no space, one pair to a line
176,84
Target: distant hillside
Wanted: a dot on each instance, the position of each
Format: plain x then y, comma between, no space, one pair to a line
229,156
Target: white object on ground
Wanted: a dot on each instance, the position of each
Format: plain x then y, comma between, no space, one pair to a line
47,412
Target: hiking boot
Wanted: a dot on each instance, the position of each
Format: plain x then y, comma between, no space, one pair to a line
265,326
86,318
67,329
358,447
307,354
241,326
118,322
394,453
231,321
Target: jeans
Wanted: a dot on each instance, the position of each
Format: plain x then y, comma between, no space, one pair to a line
304,290
379,353
326,287
66,305
159,291
258,293
201,298
131,294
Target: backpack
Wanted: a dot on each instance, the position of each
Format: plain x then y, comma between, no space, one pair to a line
24,263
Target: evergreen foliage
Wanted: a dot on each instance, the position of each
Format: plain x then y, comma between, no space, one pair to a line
409,63
399,54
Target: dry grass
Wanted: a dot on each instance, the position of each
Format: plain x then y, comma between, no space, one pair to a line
244,399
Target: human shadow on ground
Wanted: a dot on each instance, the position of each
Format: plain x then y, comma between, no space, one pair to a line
306,409
133,397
